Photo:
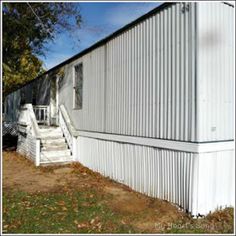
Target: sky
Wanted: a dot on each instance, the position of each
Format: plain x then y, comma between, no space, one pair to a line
99,21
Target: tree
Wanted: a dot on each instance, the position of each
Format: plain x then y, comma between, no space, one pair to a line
26,29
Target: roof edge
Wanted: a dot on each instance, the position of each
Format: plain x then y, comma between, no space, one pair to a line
112,35
101,42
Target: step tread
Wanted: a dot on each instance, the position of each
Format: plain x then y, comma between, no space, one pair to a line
61,159
51,132
55,152
49,137
56,163
54,148
55,145
58,140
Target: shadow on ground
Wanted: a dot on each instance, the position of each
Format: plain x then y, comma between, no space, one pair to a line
9,142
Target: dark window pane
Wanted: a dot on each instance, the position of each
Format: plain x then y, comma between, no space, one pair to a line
78,86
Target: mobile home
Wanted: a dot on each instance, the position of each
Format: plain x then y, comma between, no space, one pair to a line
150,106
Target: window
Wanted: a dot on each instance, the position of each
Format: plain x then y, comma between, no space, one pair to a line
78,86
22,97
34,92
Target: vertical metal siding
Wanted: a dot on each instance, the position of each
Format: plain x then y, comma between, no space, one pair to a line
156,172
92,115
150,77
198,183
215,71
26,145
142,82
214,185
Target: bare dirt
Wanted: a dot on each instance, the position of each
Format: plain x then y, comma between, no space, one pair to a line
142,212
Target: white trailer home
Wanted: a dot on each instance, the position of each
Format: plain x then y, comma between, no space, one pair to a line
151,106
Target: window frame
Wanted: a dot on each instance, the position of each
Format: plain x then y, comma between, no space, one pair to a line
76,107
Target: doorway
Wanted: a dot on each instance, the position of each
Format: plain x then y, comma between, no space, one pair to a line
54,102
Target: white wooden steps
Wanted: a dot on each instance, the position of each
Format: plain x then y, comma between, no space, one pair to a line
54,149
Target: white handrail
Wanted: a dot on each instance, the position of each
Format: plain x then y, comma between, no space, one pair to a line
42,114
68,130
33,121
67,120
28,119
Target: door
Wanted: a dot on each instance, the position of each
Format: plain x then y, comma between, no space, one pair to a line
54,102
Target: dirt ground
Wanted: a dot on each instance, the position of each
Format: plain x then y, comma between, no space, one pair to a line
142,212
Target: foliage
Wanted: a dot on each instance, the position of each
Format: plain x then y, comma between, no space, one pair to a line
27,68
26,29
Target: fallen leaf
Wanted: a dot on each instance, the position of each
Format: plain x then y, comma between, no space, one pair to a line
123,222
82,225
61,203
64,208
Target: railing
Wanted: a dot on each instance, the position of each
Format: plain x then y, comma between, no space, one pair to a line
28,125
42,114
68,130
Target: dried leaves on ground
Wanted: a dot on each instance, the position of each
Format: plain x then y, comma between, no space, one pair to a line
74,199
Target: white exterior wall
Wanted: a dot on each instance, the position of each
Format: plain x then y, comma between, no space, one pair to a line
91,117
170,76
215,71
150,77
142,82
198,183
13,100
12,105
214,181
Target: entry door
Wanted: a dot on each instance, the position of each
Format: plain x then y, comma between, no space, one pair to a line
54,102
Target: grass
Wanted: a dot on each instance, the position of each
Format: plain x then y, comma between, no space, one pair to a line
74,199
60,213
87,212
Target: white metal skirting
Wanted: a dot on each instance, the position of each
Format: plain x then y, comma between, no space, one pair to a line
27,145
198,183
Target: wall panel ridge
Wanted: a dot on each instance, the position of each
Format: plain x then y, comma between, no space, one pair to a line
150,73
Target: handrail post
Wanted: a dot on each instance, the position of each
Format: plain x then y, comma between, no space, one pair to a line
37,159
48,115
74,147
67,129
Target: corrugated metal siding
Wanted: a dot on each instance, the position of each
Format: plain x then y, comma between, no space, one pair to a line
12,105
94,78
195,182
26,145
150,77
91,116
214,185
13,100
215,71
141,83
156,172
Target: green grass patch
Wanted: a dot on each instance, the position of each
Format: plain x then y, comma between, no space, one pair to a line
70,212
